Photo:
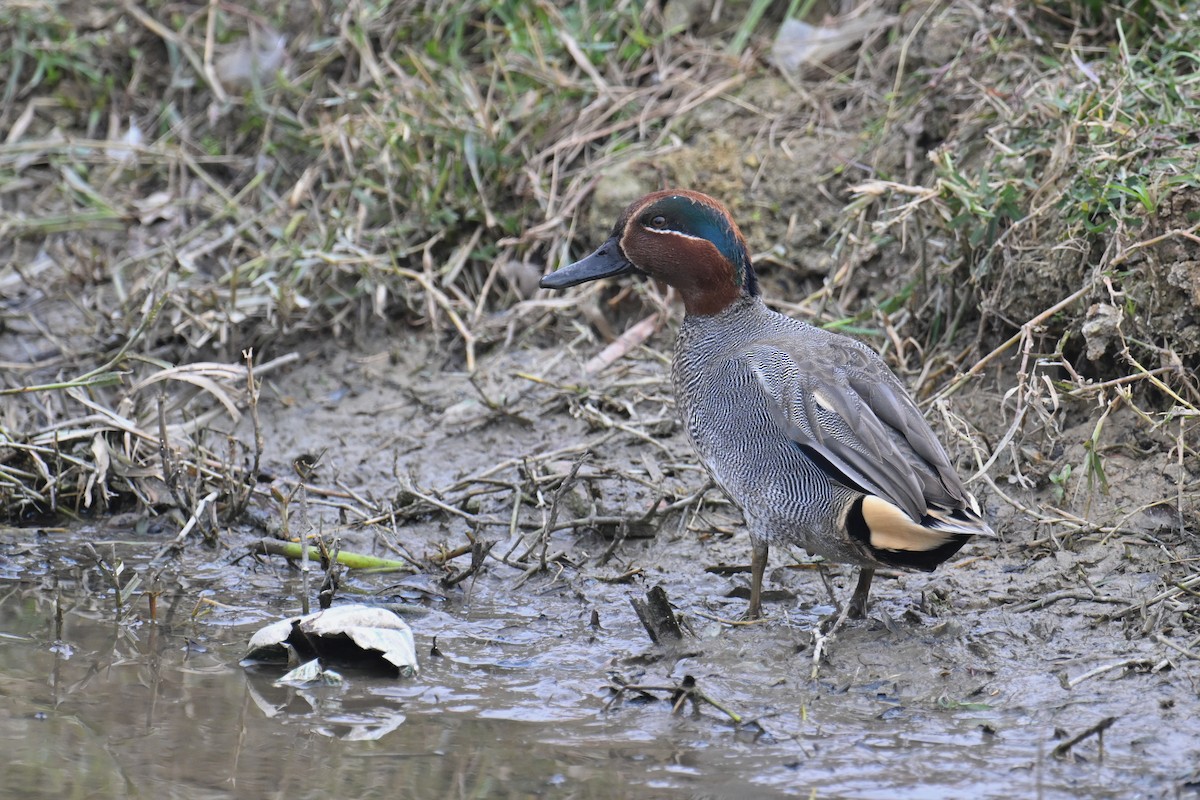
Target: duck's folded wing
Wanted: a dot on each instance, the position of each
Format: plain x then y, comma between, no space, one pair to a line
862,435
882,392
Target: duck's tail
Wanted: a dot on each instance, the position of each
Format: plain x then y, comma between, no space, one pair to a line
896,539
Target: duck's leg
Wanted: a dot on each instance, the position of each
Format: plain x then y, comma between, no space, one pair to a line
858,600
758,565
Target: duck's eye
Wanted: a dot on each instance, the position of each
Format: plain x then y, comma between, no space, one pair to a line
658,222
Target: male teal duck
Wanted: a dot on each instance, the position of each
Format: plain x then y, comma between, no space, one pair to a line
806,430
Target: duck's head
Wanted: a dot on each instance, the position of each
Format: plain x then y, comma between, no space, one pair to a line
683,238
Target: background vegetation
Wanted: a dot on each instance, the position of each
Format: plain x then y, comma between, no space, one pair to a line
182,183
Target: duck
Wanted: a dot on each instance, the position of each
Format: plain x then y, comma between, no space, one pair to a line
807,431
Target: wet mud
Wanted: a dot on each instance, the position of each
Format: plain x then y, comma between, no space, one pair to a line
972,681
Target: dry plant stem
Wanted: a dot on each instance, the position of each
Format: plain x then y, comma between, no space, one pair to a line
214,379
1179,588
1177,648
822,640
305,562
437,296
446,556
680,694
474,519
332,578
1025,331
170,474
479,550
496,407
1096,730
731,622
193,521
1083,291
544,537
1179,447
1129,663
102,374
252,389
168,35
694,694
304,568
210,35
1066,594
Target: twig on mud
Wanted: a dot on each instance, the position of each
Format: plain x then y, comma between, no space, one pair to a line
559,494
688,690
177,543
407,486
617,540
364,503
394,544
727,621
595,415
1065,594
479,550
362,511
1129,663
496,407
553,455
823,639
534,569
626,342
1181,587
485,477
1177,647
625,577
1096,730
1073,523
680,694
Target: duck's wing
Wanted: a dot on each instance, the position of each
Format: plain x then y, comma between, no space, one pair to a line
838,402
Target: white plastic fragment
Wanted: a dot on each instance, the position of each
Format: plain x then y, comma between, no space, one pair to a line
356,634
253,61
310,672
798,44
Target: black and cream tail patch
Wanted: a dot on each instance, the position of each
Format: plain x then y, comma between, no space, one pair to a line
897,539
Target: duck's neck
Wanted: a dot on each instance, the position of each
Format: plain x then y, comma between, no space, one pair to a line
740,304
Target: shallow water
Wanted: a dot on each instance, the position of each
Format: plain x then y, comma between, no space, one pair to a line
519,703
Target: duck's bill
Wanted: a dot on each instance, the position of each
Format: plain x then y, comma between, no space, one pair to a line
606,262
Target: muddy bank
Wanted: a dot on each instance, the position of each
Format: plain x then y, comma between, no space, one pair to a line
945,189
959,683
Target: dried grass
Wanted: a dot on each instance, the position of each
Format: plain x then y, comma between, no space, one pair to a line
184,181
